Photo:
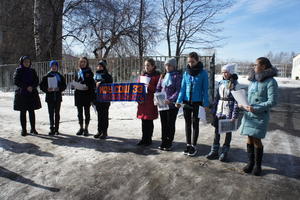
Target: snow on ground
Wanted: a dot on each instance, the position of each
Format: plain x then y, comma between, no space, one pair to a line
72,167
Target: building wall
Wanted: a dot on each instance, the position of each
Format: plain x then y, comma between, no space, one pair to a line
296,67
16,30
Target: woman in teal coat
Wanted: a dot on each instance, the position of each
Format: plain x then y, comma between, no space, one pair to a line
262,95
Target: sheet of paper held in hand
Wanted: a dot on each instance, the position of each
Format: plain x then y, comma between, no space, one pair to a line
144,79
227,125
159,100
52,82
202,114
241,97
79,86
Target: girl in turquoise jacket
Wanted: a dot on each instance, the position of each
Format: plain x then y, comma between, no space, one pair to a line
262,95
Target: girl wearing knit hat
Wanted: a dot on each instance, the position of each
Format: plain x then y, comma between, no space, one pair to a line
101,77
53,95
26,94
224,107
169,82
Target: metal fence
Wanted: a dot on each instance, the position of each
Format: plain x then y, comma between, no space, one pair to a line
124,69
284,70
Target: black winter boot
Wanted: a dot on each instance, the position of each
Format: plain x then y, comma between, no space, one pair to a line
98,134
214,152
86,130
258,159
104,135
24,133
224,154
33,131
80,131
52,132
249,167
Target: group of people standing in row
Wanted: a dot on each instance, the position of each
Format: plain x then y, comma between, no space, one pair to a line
188,89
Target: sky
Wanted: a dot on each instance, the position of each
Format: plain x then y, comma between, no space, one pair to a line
252,28
255,27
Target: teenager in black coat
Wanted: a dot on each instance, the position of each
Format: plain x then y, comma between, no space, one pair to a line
53,95
26,94
102,76
84,96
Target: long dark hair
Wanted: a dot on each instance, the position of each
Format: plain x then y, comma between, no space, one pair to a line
87,62
152,62
264,61
194,55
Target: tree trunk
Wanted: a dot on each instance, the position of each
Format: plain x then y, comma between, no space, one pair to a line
37,28
180,21
48,29
169,39
141,38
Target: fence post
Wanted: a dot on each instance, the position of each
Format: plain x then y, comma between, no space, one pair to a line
212,69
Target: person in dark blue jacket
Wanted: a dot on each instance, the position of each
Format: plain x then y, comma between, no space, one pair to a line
101,77
53,95
193,93
26,95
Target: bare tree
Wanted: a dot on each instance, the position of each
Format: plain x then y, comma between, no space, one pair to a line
48,26
192,24
147,32
281,57
114,26
103,23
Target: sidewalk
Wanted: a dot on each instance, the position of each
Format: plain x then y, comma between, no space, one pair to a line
71,167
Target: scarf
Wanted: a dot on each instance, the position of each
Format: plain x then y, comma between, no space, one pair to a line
55,74
82,72
167,81
99,75
195,70
27,77
260,77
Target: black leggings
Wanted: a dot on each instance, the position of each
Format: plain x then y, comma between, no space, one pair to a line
147,129
31,119
191,118
168,120
102,110
54,117
86,113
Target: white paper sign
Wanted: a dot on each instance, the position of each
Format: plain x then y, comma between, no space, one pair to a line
52,82
144,79
202,114
227,125
159,100
241,97
79,86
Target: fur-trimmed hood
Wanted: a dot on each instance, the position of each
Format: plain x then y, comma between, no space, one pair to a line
260,77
